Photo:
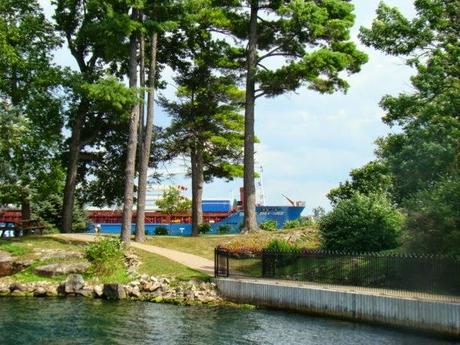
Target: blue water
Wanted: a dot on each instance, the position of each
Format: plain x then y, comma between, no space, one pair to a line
84,321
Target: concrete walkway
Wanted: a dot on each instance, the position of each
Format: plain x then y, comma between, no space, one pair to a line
192,261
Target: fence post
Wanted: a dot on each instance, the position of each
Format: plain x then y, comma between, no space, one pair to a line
264,272
215,263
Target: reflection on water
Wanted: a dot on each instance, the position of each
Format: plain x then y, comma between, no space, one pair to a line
84,321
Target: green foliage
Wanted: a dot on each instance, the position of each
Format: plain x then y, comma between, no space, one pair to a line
205,228
281,245
161,230
422,157
30,111
49,210
372,178
361,223
105,255
433,223
206,122
309,40
269,225
299,223
223,229
173,202
292,224
318,213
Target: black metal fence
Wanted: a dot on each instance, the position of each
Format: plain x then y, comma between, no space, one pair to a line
422,274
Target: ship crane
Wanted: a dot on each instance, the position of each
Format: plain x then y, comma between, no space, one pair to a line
294,203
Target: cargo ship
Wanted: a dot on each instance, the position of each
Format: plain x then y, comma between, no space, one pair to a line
219,214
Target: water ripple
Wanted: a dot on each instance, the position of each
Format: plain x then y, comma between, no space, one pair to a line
74,321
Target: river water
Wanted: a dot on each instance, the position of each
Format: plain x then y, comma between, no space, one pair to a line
85,321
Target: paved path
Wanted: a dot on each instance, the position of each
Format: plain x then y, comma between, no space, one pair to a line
193,261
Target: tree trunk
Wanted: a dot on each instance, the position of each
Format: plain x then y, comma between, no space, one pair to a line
197,190
250,223
71,176
132,142
142,102
26,210
146,144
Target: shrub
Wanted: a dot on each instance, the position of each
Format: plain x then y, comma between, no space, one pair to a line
281,245
433,221
205,228
224,229
161,230
49,211
269,225
105,255
292,224
361,223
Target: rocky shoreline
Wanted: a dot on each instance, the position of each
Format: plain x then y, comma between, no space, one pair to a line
146,288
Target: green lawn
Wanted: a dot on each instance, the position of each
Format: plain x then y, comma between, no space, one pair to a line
157,265
202,246
23,248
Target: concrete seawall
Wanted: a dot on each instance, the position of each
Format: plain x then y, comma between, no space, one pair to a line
432,316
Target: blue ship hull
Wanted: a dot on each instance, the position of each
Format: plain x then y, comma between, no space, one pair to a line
280,214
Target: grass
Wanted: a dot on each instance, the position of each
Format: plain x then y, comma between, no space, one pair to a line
23,246
157,265
202,246
14,249
28,275
152,264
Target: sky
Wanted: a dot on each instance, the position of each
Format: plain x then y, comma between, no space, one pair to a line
310,142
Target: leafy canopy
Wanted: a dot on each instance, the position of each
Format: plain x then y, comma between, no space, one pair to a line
173,202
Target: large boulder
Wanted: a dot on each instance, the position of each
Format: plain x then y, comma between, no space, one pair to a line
114,291
60,268
46,254
6,264
19,265
4,289
99,290
74,283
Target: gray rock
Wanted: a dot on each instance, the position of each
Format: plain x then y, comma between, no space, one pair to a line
55,269
19,287
46,254
135,292
134,283
74,283
98,290
114,291
165,281
19,265
6,264
51,290
4,289
128,289
86,292
17,293
40,292
151,287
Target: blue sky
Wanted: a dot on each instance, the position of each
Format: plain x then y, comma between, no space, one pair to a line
310,142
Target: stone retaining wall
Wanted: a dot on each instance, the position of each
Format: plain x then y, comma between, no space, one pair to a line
431,316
